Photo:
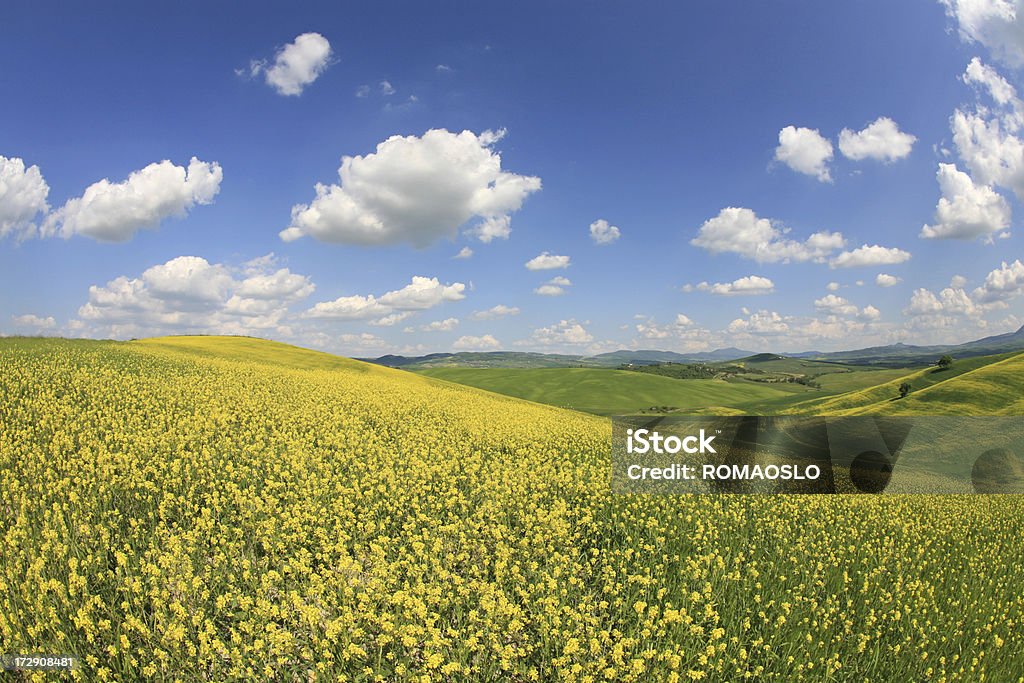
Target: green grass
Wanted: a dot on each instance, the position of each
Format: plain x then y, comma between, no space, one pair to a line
611,392
985,385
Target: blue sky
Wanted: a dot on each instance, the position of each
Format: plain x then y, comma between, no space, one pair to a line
710,137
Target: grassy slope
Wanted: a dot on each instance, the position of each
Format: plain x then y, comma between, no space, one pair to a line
986,385
609,392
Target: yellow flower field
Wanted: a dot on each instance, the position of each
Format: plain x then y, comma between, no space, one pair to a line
230,509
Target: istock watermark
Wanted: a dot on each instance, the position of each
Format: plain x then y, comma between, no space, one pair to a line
801,454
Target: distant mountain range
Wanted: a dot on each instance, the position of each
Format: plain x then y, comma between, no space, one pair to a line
895,355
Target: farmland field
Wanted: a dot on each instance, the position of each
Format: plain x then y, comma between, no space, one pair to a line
232,509
609,392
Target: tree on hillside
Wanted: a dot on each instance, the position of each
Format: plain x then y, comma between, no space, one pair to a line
905,389
945,362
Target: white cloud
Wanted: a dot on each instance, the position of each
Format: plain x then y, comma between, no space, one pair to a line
603,233
681,335
949,301
986,138
420,294
464,253
391,319
832,286
869,312
546,261
386,88
873,255
188,294
805,151
34,322
881,140
354,307
359,344
23,194
471,343
750,285
835,304
495,312
443,68
363,91
114,212
1005,282
446,325
957,281
739,231
564,333
554,287
296,65
423,293
965,210
886,280
492,228
281,284
761,323
415,190
996,24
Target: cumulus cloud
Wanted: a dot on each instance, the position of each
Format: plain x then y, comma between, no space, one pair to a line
420,294
996,24
957,281
564,333
832,286
603,233
1005,282
805,151
464,253
886,280
188,294
492,228
546,261
446,325
386,88
471,343
114,212
415,190
949,301
751,285
34,322
739,231
881,140
965,210
987,137
761,323
682,334
873,255
835,304
361,343
840,307
23,195
296,64
495,312
554,287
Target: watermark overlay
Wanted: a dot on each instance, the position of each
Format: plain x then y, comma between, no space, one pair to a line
802,454
38,662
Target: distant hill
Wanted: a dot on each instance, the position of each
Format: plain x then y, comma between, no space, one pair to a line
484,359
892,356
518,359
904,354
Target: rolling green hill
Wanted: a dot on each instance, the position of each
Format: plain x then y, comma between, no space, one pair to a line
611,392
985,385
